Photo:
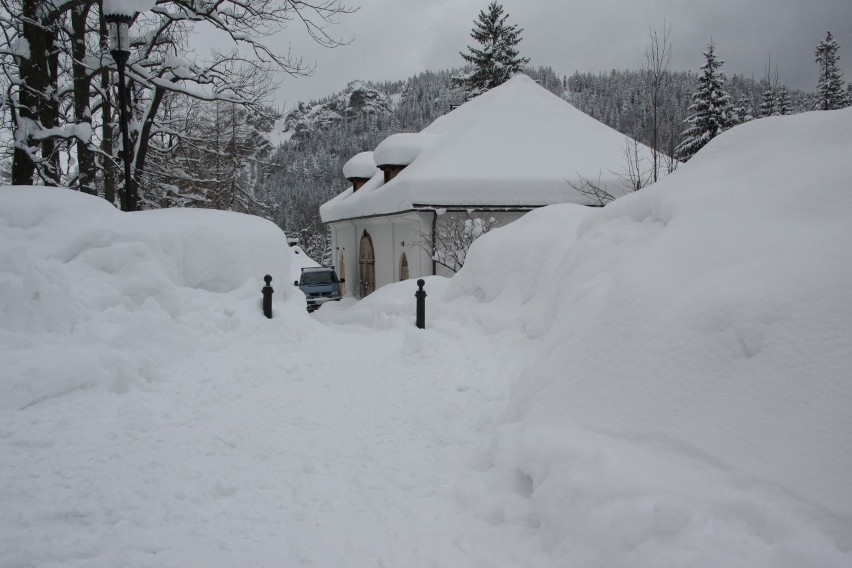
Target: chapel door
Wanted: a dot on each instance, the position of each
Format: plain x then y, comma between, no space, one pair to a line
366,265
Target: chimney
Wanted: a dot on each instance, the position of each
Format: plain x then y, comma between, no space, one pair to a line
359,170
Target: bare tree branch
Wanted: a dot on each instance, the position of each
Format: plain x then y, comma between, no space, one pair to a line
454,233
658,54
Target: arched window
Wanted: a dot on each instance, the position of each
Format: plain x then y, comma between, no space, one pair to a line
366,265
341,274
403,267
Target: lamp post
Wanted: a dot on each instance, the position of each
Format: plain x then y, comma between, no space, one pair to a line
118,21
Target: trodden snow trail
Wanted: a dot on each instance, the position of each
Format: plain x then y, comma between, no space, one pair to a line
343,447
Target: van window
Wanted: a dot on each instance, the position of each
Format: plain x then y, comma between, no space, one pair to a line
319,277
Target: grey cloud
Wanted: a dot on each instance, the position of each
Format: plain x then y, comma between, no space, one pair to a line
394,39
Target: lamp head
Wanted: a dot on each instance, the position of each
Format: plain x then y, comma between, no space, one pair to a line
118,24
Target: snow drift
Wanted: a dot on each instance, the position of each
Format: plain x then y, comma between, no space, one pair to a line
75,273
704,324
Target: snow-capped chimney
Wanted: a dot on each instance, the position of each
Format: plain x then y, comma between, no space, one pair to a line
359,169
398,150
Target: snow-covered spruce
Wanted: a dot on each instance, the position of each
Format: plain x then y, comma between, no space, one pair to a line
711,108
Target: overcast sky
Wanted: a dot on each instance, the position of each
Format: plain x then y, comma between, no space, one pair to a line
394,39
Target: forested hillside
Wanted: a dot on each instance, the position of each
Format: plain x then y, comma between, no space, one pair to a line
319,137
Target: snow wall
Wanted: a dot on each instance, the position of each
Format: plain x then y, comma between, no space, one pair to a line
704,323
90,296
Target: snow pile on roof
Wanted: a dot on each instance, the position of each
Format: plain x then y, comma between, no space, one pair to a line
127,7
402,149
688,400
76,270
360,165
517,145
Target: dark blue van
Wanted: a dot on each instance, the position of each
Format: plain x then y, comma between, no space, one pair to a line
320,285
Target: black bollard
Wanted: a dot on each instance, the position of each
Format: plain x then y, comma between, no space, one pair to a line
267,296
421,304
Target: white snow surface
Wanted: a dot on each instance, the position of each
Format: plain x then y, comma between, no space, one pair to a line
515,145
75,272
702,323
360,165
403,148
279,133
663,382
127,7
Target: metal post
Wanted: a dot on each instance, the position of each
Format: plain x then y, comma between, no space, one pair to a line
267,296
420,294
121,56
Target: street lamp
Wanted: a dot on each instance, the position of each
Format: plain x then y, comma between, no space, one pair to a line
118,19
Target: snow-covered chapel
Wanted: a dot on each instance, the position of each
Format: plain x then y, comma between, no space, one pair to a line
512,149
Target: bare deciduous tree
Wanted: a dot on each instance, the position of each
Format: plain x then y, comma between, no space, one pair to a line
658,54
58,95
595,191
636,176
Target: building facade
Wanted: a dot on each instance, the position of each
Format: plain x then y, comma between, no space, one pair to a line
418,195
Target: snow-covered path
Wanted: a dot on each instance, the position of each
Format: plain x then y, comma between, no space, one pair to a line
342,446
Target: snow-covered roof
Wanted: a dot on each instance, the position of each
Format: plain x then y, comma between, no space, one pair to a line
360,166
517,145
402,149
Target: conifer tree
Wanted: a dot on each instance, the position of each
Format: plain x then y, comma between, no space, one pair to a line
744,110
830,87
711,108
769,104
498,58
782,102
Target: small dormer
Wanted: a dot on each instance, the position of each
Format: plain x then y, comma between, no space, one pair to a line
398,151
359,169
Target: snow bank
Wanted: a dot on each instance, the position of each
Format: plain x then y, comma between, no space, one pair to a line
391,306
505,287
689,404
90,296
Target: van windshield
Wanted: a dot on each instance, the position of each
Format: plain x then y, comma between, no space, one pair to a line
319,277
